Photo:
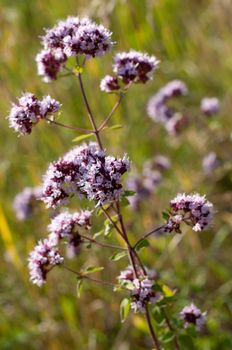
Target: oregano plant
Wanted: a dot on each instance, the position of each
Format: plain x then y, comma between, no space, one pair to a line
88,172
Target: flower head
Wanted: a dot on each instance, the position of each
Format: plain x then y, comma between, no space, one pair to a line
29,110
84,171
109,84
68,225
49,63
192,315
192,209
134,66
210,106
157,107
41,260
69,37
142,294
24,202
210,162
90,39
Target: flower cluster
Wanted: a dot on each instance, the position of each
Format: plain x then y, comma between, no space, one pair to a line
24,201
143,294
160,112
41,260
49,63
85,171
129,67
210,106
29,110
71,37
192,209
192,315
68,225
145,184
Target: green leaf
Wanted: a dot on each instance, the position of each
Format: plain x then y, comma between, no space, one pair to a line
168,337
115,127
124,309
108,229
186,342
165,215
158,315
142,244
168,292
99,233
92,269
124,202
79,287
82,137
128,193
117,256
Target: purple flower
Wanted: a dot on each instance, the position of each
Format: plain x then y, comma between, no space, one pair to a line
29,110
68,225
192,315
160,162
109,84
49,63
54,37
134,66
91,40
210,162
24,202
25,114
75,36
193,209
41,260
142,294
176,124
157,107
210,106
128,274
84,171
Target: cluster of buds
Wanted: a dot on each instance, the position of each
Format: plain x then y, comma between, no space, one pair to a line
24,202
29,110
41,260
130,67
192,209
192,315
84,171
71,37
159,111
145,184
210,106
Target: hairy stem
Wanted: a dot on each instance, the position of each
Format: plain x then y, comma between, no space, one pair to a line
156,230
100,243
90,115
69,127
111,113
83,276
154,337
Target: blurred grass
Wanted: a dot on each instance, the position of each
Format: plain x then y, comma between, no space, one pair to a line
193,41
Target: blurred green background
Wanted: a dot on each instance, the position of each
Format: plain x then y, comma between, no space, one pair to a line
192,38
